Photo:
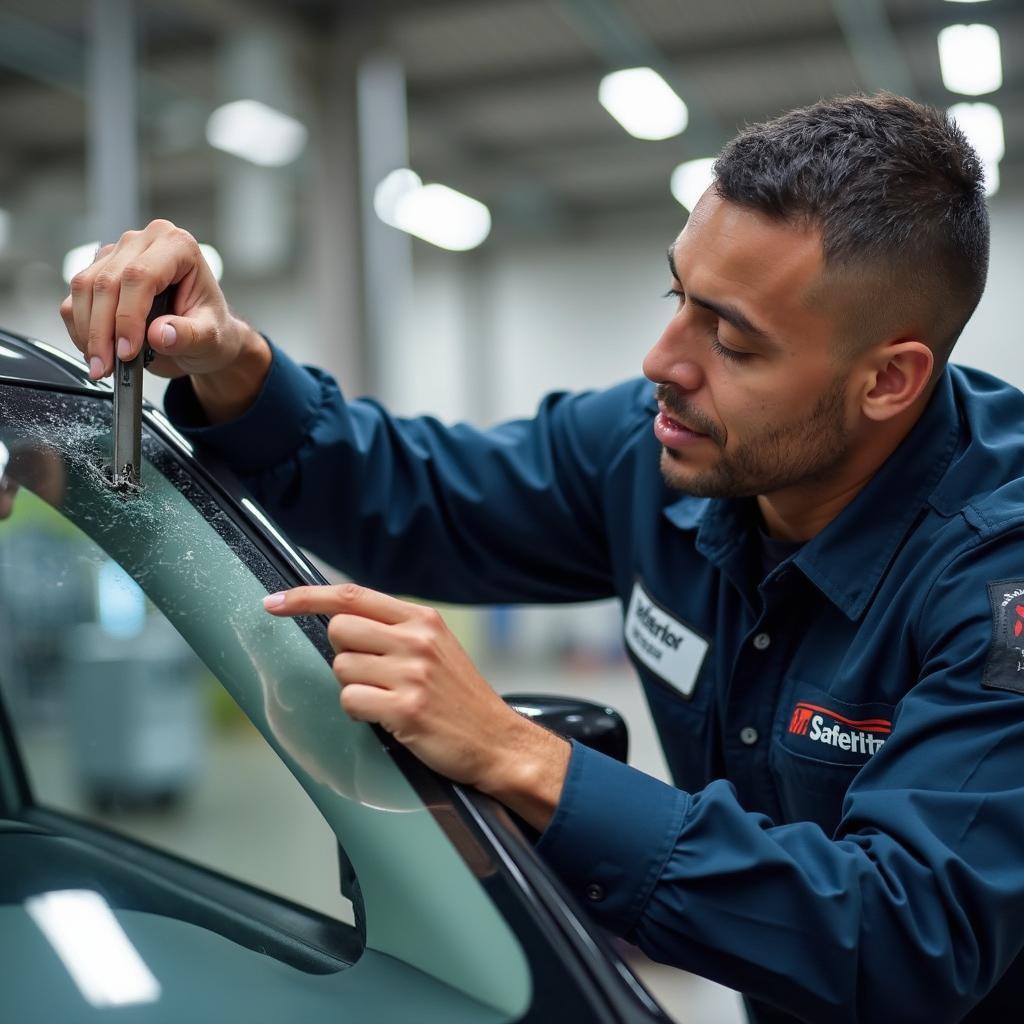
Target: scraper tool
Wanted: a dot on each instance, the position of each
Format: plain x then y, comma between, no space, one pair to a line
127,464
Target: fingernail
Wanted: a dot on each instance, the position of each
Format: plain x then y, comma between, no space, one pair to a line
95,367
273,600
124,348
168,335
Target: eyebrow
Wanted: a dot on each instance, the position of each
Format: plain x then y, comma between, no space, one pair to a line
727,312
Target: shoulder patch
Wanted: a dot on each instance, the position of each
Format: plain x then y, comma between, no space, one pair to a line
1004,667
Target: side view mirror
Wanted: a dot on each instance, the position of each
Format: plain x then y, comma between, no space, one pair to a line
594,725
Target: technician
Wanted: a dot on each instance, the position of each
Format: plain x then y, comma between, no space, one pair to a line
815,526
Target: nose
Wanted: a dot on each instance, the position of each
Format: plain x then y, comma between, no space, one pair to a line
671,360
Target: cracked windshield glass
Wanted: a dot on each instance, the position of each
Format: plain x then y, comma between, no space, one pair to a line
118,718
152,694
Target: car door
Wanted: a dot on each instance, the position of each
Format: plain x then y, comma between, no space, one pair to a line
114,605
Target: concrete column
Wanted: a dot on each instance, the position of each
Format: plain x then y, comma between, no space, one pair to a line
112,139
334,224
255,205
387,252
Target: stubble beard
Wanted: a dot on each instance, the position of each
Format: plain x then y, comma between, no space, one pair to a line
810,451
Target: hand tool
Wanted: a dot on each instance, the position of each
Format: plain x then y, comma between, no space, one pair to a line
127,463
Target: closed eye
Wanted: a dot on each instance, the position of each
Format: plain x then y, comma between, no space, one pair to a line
728,353
716,345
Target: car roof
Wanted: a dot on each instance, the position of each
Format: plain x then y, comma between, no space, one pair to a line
30,359
25,360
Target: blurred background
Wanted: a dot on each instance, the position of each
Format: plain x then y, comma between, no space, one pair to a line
453,205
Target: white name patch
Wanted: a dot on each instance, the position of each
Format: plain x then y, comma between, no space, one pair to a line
667,647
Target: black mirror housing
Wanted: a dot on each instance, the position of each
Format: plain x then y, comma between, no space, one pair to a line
594,725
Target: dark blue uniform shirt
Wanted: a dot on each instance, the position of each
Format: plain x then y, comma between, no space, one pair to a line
846,841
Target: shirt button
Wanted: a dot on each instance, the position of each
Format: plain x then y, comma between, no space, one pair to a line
595,892
748,735
762,640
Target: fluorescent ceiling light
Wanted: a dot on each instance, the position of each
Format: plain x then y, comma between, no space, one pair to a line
257,133
991,168
969,57
690,180
643,103
982,123
436,213
120,602
94,948
213,259
5,228
78,259
390,189
966,1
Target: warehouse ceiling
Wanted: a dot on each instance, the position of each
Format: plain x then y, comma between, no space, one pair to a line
502,94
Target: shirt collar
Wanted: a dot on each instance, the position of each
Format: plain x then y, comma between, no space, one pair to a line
847,559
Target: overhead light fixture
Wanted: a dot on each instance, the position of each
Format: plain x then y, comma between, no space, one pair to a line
120,602
690,180
982,123
257,133
643,103
213,258
89,939
78,259
436,213
5,228
991,169
966,1
970,59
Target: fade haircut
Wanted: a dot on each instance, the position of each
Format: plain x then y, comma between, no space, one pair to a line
898,195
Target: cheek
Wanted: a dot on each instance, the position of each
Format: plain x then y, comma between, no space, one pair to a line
747,412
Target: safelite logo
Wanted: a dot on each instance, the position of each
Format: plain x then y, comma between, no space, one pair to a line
858,736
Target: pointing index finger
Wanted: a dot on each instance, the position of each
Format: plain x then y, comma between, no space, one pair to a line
347,598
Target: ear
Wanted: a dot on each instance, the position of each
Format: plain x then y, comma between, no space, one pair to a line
899,374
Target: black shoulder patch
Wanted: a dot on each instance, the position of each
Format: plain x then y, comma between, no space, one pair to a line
1004,668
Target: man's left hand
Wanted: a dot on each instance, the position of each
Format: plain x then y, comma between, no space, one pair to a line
400,666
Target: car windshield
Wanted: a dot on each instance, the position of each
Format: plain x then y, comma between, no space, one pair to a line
176,555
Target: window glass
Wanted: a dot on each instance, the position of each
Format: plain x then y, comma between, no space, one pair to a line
120,722
132,611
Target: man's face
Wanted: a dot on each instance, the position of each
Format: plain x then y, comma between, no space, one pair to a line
752,400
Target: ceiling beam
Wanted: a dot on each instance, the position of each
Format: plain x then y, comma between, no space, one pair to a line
1007,17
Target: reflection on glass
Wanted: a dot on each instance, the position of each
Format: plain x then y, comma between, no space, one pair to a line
92,945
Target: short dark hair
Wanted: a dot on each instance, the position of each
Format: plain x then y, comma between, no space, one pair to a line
898,194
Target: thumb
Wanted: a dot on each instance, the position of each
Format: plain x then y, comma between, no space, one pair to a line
173,335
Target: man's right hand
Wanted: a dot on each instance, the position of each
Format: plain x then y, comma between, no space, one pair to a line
110,300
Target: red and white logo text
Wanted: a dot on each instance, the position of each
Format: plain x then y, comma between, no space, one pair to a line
858,736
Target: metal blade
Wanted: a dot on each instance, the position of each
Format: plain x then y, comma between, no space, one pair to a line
127,421
127,467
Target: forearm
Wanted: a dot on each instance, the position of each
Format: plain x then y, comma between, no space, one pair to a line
225,394
530,778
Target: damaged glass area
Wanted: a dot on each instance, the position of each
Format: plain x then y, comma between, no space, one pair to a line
116,596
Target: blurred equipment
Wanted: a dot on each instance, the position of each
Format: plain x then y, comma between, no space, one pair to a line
135,703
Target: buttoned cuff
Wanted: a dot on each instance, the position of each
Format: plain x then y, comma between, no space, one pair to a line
269,431
611,835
